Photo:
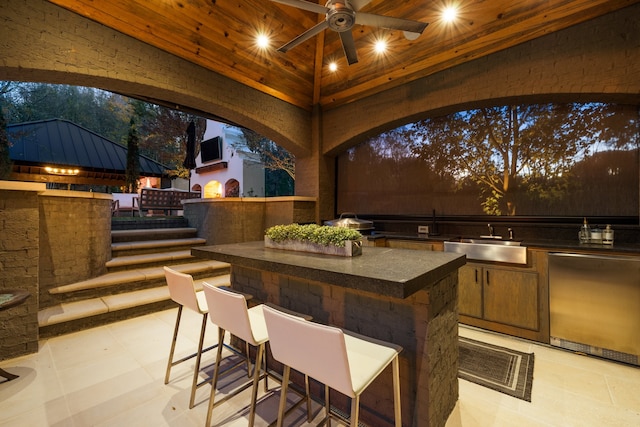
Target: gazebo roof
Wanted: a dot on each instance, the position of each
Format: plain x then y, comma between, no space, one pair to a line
61,143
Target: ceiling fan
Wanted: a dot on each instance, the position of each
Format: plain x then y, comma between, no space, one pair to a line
341,16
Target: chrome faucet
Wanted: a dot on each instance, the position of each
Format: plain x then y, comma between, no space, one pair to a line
490,230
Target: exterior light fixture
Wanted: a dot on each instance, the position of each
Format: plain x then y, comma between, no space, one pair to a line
61,171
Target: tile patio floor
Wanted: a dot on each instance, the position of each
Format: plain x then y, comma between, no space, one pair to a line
113,376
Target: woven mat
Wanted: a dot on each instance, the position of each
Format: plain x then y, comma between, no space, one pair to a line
498,368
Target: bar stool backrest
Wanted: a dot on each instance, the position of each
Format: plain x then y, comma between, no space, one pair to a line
228,310
317,350
182,290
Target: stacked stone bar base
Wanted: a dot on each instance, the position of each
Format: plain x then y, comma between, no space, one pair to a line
425,324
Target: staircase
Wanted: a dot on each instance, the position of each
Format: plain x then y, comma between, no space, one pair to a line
134,283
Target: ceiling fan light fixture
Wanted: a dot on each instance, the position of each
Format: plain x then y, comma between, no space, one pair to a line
341,16
410,35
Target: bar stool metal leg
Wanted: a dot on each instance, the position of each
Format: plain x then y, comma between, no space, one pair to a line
196,370
173,346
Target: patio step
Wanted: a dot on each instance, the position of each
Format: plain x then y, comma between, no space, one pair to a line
151,259
73,316
141,275
134,283
152,234
154,246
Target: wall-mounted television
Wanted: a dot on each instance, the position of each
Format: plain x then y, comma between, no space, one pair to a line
211,150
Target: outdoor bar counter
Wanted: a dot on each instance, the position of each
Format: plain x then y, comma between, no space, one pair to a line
402,296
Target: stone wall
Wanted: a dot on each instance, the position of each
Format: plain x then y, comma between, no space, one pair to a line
424,324
19,252
47,238
75,238
233,220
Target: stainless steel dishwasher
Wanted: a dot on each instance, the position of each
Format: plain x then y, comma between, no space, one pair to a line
594,304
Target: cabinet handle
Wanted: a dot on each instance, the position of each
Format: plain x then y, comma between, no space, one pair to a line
476,270
487,276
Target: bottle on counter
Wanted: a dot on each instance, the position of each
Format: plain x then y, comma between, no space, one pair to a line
595,236
607,235
584,236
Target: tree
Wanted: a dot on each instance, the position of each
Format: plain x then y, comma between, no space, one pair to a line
280,168
509,151
5,158
164,136
273,156
132,173
104,113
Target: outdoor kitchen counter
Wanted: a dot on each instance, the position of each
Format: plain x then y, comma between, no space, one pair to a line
389,272
402,296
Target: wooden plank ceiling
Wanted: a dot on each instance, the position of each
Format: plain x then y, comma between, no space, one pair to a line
220,35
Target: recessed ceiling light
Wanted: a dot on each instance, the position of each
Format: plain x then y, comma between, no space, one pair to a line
333,66
263,41
380,46
449,14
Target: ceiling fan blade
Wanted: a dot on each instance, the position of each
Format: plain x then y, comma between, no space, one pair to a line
349,47
304,36
391,23
305,5
359,4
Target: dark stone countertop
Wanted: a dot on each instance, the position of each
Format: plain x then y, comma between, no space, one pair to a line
396,273
551,245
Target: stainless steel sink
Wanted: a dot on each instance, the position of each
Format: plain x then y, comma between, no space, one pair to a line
510,251
490,241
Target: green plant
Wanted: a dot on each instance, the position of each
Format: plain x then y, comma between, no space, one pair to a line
313,233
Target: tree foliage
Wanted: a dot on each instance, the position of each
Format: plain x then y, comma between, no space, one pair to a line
104,113
273,156
165,136
5,159
280,165
132,173
511,149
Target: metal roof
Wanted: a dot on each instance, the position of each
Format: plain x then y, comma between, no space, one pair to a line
58,142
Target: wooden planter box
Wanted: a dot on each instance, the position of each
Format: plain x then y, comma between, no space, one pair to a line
350,249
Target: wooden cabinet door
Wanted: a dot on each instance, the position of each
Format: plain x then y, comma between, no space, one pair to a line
511,297
410,244
470,291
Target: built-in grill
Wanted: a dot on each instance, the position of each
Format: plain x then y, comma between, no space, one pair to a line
351,220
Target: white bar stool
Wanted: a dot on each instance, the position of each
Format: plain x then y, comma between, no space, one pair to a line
184,293
342,360
229,312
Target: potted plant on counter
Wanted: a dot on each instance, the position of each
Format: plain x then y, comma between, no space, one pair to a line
314,238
